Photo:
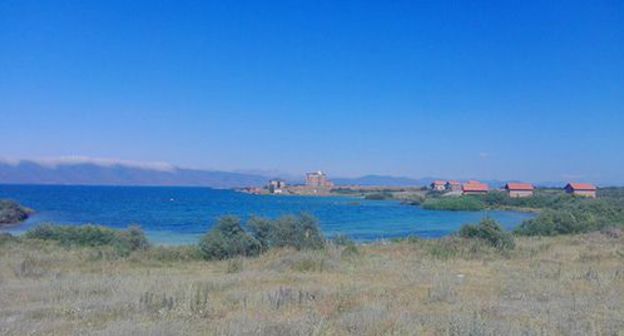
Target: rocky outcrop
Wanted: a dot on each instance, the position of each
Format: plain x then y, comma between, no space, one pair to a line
13,213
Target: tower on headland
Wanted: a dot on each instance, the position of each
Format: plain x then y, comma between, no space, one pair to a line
318,179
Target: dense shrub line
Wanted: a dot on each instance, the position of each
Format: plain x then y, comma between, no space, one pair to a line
227,239
124,241
542,199
558,213
587,216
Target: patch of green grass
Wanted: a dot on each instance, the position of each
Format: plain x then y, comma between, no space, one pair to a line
461,203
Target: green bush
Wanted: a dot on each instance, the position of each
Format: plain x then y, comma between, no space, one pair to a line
462,203
490,231
228,239
301,232
123,242
263,230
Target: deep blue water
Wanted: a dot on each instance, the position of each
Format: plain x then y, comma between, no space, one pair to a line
174,215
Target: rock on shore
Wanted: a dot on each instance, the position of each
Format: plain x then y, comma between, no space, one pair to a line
13,213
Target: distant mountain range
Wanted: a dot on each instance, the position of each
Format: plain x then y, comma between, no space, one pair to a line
99,173
88,171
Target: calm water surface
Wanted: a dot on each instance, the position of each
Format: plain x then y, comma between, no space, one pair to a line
177,215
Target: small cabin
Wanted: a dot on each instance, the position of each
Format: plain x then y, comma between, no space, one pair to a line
475,188
518,190
581,189
438,185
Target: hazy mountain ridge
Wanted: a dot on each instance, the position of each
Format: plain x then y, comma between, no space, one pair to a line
85,171
31,172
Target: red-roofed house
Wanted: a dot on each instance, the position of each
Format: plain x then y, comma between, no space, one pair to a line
519,189
475,188
453,186
581,189
438,185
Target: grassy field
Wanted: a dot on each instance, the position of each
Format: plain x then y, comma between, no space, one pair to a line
565,285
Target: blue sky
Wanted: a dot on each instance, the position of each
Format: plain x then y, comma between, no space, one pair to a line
529,91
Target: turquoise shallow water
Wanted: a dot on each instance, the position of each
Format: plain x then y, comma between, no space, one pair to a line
176,215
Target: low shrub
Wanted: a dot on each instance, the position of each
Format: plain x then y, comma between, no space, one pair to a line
228,239
123,242
490,231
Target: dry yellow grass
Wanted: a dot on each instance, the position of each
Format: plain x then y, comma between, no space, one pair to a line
550,286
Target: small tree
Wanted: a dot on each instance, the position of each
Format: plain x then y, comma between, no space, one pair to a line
228,239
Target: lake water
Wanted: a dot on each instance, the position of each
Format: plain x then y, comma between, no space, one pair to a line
177,215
